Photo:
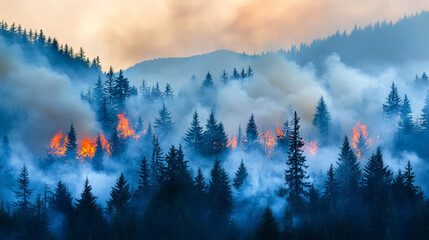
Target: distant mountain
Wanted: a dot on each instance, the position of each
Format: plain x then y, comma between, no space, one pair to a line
371,49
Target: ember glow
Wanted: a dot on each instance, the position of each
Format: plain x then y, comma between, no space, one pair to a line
311,147
360,141
87,148
57,147
268,142
107,147
124,128
232,143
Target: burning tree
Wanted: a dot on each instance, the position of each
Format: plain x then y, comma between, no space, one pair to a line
360,142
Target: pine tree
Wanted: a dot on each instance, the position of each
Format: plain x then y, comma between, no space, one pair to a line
412,191
224,77
23,193
268,228
119,202
104,115
322,118
220,189
168,92
348,171
144,187
71,145
156,92
61,200
157,163
87,204
393,103
209,136
199,181
208,82
98,93
251,132
331,187
109,87
139,127
240,138
221,139
144,90
296,174
283,137
240,175
115,143
235,74
194,135
243,73
406,124
249,73
424,78
376,176
163,123
424,120
121,90
148,136
97,160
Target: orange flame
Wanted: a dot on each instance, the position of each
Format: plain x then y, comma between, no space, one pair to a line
312,148
360,132
268,141
232,143
87,148
57,148
124,128
107,147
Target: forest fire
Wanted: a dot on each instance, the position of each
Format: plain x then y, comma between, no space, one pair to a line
311,147
57,147
360,141
232,143
107,147
268,142
87,148
124,128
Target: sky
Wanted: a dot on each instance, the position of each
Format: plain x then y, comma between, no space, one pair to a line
125,32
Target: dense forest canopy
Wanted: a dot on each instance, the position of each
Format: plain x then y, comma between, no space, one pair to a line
269,148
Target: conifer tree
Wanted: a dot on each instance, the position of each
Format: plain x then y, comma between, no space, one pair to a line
139,127
376,176
221,139
296,173
87,203
240,175
243,73
104,115
98,93
24,192
156,92
163,123
109,87
235,74
240,138
121,90
210,134
283,137
224,77
208,82
115,143
251,132
119,202
268,228
61,200
199,181
71,145
97,160
144,187
157,163
406,124
148,135
168,92
322,118
348,171
392,106
194,135
424,119
331,187
411,189
249,73
220,189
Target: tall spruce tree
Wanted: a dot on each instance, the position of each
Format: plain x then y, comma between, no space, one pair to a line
87,204
322,118
240,138
220,190
210,134
168,92
97,160
221,139
157,164
392,107
251,132
283,137
348,171
144,187
194,135
268,228
235,74
71,144
104,115
24,192
121,90
411,190
249,73
240,175
109,86
224,77
98,93
61,200
424,119
376,176
163,123
406,123
119,201
296,173
331,187
208,82
116,144
199,181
